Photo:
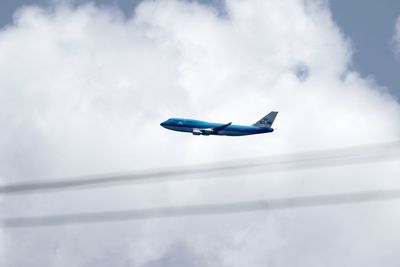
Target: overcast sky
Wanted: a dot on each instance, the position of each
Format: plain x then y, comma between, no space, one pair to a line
84,87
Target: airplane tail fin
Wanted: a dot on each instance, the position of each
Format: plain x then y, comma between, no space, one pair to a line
267,121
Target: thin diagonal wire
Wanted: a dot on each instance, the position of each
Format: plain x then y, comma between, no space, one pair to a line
313,159
202,210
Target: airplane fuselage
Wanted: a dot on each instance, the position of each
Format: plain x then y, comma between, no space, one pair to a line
198,127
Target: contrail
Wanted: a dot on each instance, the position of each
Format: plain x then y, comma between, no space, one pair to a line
306,160
206,209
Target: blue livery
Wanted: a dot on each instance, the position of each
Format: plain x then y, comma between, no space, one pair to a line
197,127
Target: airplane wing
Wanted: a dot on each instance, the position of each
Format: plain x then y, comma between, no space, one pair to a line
219,128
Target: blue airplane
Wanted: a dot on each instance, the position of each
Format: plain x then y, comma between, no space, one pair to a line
197,127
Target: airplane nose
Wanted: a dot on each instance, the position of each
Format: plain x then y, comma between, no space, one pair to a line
163,124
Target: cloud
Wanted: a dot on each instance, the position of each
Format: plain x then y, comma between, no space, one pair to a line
83,90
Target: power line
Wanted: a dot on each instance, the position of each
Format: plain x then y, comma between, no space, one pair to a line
306,160
206,209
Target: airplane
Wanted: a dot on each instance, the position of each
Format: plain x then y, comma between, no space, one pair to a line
197,127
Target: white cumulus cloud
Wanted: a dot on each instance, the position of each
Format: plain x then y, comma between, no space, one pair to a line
83,90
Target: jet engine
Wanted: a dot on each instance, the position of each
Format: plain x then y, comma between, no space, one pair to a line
197,132
202,131
207,131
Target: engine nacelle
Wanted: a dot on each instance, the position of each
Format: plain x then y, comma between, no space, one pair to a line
207,131
196,132
202,131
